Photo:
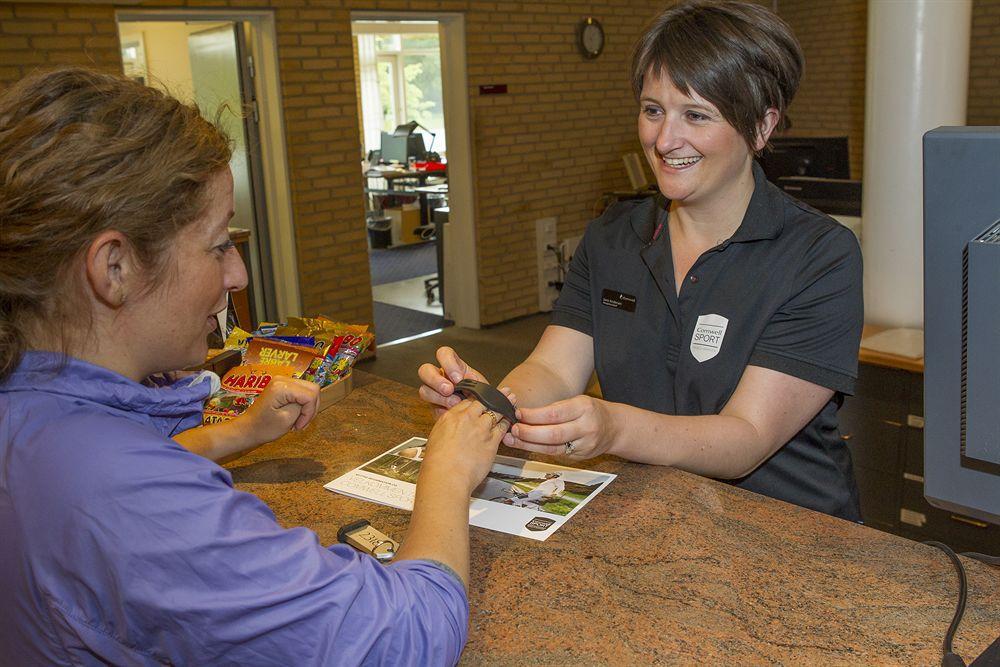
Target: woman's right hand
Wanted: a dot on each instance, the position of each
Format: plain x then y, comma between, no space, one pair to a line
462,445
439,381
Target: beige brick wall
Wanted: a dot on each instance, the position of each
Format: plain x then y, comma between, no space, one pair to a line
984,64
549,147
34,36
831,97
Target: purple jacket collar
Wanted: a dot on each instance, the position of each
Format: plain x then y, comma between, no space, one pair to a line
171,408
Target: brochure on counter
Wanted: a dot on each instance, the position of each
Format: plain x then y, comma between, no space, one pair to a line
519,497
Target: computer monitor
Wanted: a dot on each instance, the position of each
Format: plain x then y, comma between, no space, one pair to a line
393,148
400,148
962,320
820,157
404,142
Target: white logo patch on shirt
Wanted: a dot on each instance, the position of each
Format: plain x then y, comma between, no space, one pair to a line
706,340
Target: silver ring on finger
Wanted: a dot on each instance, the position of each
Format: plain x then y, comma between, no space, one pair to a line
570,447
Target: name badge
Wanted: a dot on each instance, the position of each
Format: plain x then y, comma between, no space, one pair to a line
615,299
709,331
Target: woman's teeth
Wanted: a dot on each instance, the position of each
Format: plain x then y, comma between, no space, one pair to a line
680,161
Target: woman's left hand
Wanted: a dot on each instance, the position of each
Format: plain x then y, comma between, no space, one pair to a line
581,427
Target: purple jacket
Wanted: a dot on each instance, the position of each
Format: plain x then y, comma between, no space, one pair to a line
119,546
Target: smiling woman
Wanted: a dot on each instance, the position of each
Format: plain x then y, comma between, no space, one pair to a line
742,306
204,266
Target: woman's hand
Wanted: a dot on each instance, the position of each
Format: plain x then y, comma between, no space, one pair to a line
286,404
459,454
579,428
462,445
439,382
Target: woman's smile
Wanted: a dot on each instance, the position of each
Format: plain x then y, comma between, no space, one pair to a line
680,162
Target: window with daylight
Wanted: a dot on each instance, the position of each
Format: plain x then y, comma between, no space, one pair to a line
400,79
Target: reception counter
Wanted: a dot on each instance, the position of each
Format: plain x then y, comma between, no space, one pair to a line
662,566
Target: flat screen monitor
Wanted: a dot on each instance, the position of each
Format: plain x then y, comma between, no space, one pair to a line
819,157
399,147
962,320
393,148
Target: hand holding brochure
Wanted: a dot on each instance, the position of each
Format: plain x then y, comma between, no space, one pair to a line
519,497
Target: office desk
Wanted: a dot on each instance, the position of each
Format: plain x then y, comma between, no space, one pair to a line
662,566
421,190
405,174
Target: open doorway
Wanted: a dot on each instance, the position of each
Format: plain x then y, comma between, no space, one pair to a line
223,62
404,151
204,62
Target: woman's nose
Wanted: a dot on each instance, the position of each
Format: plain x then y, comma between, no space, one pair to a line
669,136
236,271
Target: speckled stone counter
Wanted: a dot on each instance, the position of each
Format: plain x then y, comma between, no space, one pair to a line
661,567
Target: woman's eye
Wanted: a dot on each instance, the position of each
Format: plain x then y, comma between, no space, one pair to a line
697,117
651,112
223,248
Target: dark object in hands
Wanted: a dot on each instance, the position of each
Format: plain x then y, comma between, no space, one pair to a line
489,396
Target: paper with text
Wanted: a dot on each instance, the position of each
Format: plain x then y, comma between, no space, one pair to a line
518,497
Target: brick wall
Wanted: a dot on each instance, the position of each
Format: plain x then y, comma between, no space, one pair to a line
34,36
831,97
554,143
549,147
984,64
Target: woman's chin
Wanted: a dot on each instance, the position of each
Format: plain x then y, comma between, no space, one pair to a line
198,356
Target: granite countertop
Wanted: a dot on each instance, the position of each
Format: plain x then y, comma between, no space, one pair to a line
662,566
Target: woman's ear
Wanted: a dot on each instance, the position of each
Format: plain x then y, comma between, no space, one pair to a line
766,127
110,268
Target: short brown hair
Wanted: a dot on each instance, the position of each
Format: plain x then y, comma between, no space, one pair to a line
83,152
737,55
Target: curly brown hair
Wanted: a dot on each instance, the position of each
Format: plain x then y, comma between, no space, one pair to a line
82,152
739,56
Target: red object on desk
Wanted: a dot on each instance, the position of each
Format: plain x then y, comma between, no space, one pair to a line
430,166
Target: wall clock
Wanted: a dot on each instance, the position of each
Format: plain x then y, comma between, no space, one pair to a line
590,38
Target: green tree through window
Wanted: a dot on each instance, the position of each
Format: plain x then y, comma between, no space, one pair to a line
409,76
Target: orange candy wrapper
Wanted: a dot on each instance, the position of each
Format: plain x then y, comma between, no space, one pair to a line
268,352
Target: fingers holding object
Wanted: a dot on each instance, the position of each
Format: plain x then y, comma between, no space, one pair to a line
452,366
435,397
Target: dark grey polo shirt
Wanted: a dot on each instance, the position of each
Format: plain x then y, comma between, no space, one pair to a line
784,292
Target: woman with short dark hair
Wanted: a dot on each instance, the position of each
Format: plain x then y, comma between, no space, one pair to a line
119,545
723,318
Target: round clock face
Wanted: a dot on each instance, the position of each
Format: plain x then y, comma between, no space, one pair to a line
591,38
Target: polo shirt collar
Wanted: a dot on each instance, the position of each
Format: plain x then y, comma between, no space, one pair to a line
764,218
